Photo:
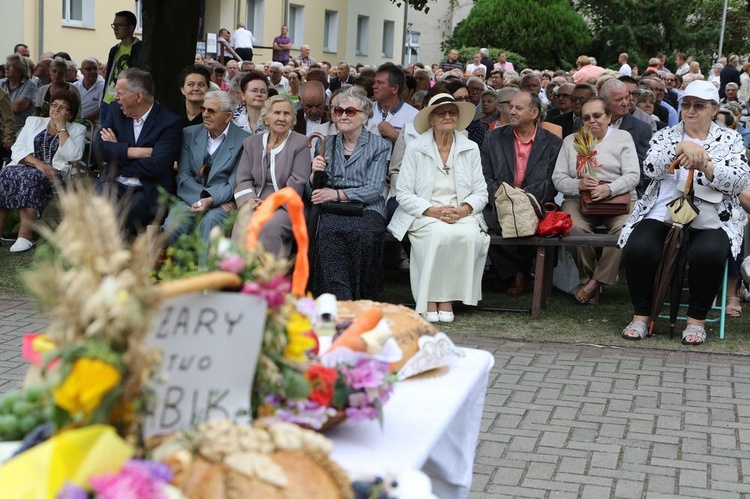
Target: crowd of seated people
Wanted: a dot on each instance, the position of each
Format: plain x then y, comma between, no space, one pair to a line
405,148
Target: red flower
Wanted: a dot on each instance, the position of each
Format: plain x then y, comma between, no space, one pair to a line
321,381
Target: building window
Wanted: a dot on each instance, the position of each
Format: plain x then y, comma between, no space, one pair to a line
363,35
297,25
79,13
254,19
389,29
331,31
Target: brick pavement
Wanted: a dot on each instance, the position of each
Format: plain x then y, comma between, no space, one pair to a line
564,420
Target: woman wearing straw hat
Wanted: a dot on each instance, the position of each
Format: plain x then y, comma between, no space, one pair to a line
441,193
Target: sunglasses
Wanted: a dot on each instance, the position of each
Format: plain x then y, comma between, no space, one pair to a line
349,111
698,106
596,116
462,99
442,113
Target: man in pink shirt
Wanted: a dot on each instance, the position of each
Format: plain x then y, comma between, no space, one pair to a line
502,63
523,155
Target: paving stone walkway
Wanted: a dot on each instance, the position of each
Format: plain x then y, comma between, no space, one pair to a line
564,420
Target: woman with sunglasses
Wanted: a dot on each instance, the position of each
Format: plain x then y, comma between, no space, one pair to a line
717,156
43,152
441,192
347,257
270,161
617,173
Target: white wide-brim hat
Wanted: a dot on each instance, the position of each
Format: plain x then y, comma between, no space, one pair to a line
466,112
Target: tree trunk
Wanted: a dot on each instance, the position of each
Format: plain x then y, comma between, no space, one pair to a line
170,30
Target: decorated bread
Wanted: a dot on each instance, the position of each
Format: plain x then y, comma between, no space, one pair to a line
222,459
407,325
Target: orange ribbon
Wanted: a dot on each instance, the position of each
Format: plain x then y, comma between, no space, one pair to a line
583,160
296,210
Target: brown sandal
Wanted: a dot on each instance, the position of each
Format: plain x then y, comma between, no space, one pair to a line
583,297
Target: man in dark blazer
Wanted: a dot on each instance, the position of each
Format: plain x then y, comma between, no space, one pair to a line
522,154
617,94
571,121
206,170
313,112
139,141
345,77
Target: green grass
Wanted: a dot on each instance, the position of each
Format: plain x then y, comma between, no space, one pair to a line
564,320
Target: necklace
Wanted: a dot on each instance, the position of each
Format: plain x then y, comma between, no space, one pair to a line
48,141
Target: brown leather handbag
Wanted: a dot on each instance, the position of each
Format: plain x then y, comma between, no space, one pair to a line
616,205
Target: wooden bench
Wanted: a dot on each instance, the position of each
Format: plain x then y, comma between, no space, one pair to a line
545,263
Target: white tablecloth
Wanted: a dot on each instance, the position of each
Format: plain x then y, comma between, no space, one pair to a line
431,424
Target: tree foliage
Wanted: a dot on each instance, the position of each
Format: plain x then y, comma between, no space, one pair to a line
645,28
549,33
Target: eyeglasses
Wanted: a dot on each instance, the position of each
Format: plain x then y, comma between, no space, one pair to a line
635,93
574,98
210,111
596,116
116,25
501,102
564,96
349,111
698,106
61,107
443,112
260,91
462,99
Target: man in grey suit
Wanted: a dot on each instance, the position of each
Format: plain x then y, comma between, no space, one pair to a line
523,154
206,174
618,96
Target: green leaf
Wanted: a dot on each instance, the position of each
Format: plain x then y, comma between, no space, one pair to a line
295,385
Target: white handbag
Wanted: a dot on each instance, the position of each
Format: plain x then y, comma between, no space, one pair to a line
517,211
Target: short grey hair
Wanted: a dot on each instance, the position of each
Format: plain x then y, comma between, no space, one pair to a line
227,102
139,81
506,93
732,84
270,102
277,65
611,85
59,63
484,52
356,93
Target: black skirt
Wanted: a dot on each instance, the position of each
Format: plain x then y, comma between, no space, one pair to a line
348,256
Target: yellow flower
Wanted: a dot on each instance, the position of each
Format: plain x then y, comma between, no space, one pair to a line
298,329
88,382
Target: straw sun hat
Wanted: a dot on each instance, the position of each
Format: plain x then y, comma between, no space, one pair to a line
466,111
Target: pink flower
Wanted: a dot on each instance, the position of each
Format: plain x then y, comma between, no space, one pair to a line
232,263
135,480
273,291
368,373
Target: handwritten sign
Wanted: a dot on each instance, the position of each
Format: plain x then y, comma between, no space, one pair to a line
210,345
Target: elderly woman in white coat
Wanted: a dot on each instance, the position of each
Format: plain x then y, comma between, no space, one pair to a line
441,192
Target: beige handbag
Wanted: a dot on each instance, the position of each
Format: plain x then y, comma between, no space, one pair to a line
518,212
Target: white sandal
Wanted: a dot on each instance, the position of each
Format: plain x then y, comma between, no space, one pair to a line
694,330
639,327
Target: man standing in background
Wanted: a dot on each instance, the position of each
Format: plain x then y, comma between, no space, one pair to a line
281,46
242,42
124,55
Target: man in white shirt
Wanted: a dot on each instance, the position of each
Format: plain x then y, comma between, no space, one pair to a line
242,42
390,112
276,77
91,88
625,69
683,66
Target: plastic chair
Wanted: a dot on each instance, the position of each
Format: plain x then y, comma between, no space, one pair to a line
722,309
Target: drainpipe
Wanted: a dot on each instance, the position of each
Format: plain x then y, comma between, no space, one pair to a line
285,20
40,35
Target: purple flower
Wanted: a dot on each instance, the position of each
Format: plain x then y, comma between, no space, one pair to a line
368,373
157,470
360,413
304,412
232,263
70,491
134,481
